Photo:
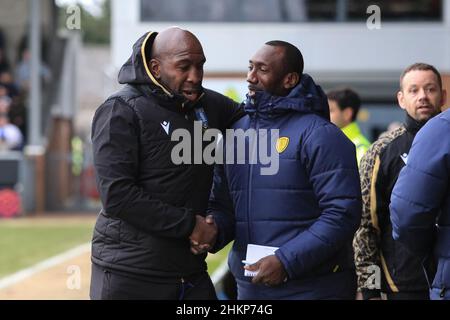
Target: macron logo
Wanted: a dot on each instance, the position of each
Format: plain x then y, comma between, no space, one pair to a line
404,157
165,125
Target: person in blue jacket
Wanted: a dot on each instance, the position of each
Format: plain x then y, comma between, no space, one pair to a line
310,208
420,201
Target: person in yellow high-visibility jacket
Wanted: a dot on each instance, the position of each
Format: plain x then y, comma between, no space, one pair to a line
344,106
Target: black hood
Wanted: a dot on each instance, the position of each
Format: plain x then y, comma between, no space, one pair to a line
135,70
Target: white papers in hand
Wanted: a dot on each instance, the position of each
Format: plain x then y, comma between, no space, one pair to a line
254,253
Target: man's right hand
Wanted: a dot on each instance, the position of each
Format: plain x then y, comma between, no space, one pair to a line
204,234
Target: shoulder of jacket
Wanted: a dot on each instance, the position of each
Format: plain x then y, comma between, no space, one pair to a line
443,119
386,139
311,125
213,96
127,94
377,148
122,104
313,120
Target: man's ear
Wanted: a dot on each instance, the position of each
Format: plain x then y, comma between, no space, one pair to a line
348,114
155,68
400,99
291,80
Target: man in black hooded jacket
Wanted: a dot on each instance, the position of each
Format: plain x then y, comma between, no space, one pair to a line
153,209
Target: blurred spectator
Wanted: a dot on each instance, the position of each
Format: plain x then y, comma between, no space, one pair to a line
4,65
5,104
344,107
3,91
2,40
6,80
23,71
10,135
15,107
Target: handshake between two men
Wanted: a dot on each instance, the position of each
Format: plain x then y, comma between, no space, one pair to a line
270,270
204,235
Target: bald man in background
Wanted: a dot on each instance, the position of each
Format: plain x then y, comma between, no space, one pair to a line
151,232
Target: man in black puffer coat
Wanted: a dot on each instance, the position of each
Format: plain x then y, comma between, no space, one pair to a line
154,209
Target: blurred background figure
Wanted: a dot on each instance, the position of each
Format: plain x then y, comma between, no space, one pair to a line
10,135
4,65
23,71
6,81
344,107
5,103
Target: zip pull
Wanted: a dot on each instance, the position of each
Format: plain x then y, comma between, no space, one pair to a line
181,296
442,293
184,286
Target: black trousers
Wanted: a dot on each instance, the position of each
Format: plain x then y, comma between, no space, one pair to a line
110,285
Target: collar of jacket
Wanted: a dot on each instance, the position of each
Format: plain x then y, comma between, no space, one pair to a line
306,97
176,101
352,131
413,125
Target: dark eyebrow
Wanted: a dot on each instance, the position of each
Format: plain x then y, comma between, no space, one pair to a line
258,63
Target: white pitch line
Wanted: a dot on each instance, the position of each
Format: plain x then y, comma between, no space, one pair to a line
43,265
220,272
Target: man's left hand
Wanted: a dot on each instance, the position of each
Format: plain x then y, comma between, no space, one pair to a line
271,271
